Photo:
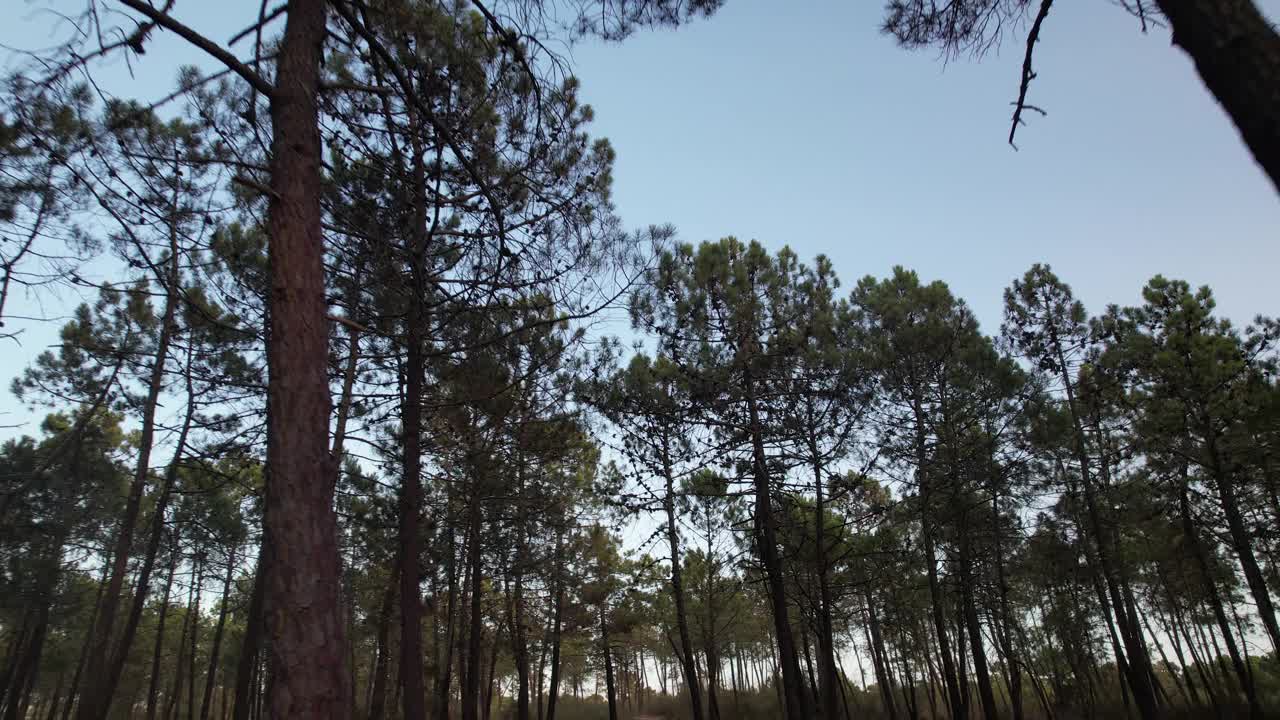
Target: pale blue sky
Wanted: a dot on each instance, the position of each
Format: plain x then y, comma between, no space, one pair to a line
798,123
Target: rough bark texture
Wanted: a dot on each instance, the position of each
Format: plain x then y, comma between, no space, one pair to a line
304,619
1237,53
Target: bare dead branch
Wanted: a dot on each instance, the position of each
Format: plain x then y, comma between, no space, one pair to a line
1033,36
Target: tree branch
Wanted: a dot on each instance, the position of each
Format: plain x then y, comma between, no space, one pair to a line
166,21
1027,73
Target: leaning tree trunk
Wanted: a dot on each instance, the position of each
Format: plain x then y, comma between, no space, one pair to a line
1237,53
1136,671
794,698
98,693
305,622
1192,537
143,589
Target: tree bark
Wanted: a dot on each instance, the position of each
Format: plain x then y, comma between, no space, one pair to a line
307,651
794,698
411,670
1237,53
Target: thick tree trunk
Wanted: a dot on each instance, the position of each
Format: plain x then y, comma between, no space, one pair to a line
1236,50
307,649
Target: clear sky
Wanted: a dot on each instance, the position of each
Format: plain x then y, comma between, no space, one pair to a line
799,123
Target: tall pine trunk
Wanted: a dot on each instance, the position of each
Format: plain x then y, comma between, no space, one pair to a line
306,625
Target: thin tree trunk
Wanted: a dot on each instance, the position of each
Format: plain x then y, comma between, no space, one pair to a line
153,684
556,623
794,698
827,677
143,589
985,692
378,691
1191,535
608,664
677,585
878,659
471,682
255,623
206,704
100,689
